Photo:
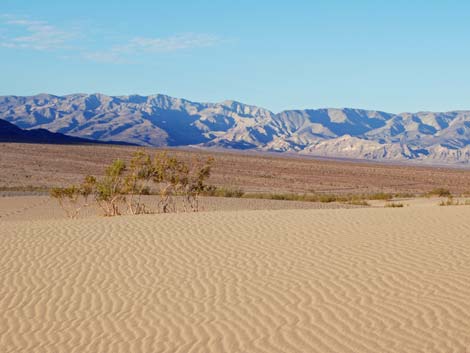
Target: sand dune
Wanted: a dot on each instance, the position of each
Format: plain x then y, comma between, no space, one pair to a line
361,280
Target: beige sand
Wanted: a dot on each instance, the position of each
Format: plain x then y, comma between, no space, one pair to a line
346,280
19,208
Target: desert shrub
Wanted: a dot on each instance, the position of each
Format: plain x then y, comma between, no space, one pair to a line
449,202
255,195
193,183
394,205
137,182
380,196
68,199
110,190
124,185
404,195
324,198
282,197
73,199
358,203
441,192
168,175
327,198
225,192
353,199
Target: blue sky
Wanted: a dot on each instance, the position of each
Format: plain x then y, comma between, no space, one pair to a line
390,55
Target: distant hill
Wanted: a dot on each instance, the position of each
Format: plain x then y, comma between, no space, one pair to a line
160,120
11,133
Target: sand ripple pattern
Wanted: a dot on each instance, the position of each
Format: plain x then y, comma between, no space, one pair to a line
362,280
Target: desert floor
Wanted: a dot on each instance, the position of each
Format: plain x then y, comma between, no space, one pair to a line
258,280
24,165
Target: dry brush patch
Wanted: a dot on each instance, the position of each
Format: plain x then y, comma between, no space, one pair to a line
353,199
441,192
122,186
451,201
394,205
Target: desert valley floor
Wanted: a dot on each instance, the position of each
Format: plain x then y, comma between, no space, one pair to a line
241,276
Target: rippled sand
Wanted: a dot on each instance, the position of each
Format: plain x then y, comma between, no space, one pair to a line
335,280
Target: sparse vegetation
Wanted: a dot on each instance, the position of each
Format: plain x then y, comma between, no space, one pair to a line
122,186
225,192
441,192
449,202
404,195
352,199
193,183
137,182
358,203
109,191
380,196
73,199
394,205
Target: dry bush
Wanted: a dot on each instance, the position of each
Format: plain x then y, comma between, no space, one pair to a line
441,192
394,205
225,192
137,182
358,203
380,196
194,183
449,202
174,178
452,202
125,185
110,190
73,199
352,199
168,175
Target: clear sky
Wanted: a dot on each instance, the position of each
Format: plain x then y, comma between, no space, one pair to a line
389,55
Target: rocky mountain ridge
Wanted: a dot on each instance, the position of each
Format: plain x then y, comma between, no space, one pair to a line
160,120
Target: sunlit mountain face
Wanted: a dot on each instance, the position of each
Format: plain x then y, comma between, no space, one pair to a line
160,120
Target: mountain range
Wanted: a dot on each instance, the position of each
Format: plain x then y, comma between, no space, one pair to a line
12,133
160,120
